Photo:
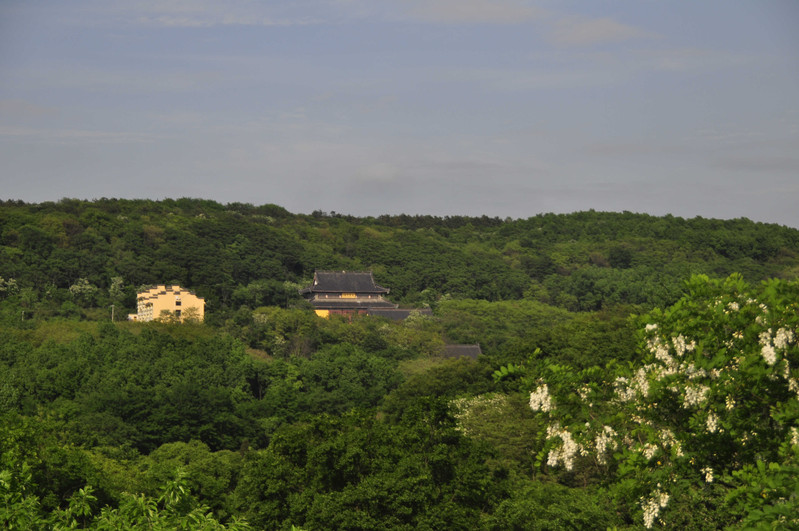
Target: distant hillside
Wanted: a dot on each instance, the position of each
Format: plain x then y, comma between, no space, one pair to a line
243,255
615,385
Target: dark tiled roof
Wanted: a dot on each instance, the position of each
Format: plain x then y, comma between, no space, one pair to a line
169,289
462,351
344,282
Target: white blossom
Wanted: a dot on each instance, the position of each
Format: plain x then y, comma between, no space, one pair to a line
679,344
677,448
712,422
729,403
623,391
769,354
553,457
667,438
793,386
708,473
604,440
782,338
641,382
649,450
540,399
695,395
661,352
567,449
693,373
653,505
584,391
765,337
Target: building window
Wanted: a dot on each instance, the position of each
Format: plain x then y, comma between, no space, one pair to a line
177,314
347,295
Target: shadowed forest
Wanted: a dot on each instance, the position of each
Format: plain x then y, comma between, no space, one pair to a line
636,371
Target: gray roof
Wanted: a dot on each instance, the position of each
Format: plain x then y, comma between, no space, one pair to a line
462,351
343,282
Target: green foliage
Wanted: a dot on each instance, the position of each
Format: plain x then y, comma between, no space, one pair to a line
121,389
266,411
357,472
508,371
714,396
504,423
235,255
766,495
339,378
446,378
542,505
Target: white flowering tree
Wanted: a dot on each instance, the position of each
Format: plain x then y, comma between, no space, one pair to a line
8,287
83,291
709,416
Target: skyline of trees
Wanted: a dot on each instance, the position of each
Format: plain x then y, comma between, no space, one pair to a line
636,371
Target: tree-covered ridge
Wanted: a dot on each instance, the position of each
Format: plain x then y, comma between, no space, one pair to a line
693,422
615,390
243,255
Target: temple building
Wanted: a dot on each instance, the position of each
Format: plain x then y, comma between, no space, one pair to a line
345,292
168,301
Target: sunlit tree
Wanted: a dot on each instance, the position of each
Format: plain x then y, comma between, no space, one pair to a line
712,401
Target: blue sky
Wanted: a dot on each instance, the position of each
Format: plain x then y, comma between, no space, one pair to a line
368,107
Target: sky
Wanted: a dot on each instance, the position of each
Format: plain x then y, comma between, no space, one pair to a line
505,108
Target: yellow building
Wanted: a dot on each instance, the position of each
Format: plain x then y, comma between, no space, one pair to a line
167,301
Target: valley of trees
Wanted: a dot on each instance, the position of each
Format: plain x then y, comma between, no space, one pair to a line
637,371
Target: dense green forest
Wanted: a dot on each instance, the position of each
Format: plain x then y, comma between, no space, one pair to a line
637,371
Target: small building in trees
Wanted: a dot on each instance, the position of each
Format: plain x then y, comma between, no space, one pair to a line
457,351
345,293
168,302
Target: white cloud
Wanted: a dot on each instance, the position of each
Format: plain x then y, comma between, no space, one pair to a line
72,136
684,59
211,13
380,172
19,108
582,31
119,80
208,20
473,11
761,164
508,80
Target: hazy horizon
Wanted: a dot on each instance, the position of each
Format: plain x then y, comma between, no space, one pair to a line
504,108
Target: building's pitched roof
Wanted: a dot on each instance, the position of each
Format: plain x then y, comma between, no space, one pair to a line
161,289
462,351
343,282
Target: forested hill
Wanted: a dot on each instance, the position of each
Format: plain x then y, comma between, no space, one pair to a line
238,255
635,371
